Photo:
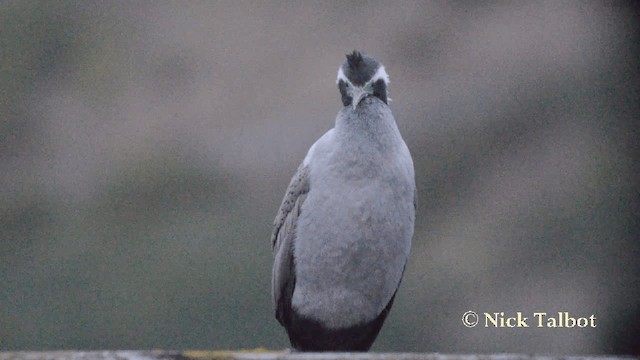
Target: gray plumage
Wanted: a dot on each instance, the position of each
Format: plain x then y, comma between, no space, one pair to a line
343,232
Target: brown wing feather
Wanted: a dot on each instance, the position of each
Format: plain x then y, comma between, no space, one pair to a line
283,276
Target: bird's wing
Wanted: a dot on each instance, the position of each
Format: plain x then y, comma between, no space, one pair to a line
283,280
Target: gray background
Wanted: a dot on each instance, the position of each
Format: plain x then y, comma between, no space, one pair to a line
145,148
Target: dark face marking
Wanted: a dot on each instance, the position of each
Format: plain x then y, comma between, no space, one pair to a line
346,97
380,90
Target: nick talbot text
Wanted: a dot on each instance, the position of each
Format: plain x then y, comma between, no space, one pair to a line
538,319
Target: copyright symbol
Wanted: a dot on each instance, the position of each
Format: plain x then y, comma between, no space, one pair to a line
470,319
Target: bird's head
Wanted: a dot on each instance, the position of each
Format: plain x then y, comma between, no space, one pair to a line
361,76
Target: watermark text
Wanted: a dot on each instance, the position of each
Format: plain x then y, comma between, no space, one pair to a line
562,319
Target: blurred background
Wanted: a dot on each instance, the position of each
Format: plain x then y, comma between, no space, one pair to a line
145,148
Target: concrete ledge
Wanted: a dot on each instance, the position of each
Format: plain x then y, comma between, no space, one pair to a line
262,354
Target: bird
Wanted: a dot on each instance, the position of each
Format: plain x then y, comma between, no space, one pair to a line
343,233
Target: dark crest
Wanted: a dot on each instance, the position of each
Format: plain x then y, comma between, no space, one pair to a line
359,67
355,59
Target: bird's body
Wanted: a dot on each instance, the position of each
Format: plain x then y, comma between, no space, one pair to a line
343,233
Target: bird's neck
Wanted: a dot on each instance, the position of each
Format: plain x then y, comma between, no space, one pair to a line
366,124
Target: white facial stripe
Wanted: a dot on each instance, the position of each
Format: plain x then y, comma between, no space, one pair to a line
342,77
380,74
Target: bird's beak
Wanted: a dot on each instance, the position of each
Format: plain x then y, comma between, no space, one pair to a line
358,95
